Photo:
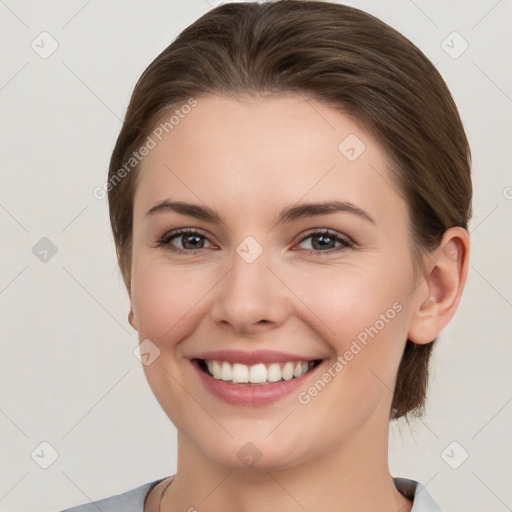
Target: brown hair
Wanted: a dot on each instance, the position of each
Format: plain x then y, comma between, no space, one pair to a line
338,55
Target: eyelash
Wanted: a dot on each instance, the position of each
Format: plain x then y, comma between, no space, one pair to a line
165,241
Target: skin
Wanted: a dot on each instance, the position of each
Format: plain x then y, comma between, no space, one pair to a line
248,160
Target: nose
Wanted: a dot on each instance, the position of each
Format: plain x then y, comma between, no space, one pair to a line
251,298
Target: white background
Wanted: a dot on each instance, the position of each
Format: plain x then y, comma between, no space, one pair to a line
68,375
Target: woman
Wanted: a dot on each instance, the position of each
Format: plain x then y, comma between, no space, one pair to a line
289,197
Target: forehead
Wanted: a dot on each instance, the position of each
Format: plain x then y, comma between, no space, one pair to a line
242,154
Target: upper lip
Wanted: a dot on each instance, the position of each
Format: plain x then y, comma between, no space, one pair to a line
250,358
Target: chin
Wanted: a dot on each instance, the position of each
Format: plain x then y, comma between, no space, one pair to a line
256,455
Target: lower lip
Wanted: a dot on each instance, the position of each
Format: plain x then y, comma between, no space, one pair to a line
251,395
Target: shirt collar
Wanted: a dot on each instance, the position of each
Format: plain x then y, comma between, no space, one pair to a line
422,500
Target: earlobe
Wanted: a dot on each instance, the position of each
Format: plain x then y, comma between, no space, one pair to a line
443,287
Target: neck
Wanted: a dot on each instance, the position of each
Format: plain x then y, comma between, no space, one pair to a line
353,476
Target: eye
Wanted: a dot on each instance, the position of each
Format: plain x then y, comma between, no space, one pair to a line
191,240
324,241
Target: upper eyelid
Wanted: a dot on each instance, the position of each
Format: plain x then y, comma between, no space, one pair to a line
345,239
171,235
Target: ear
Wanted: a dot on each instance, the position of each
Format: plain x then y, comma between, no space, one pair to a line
438,296
122,270
127,283
131,318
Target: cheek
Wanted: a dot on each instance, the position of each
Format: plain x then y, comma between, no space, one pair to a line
165,299
168,303
362,315
364,321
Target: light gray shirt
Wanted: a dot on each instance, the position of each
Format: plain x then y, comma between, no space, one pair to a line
133,500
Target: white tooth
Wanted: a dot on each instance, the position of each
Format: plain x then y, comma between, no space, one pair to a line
226,373
287,371
216,369
258,373
274,372
240,373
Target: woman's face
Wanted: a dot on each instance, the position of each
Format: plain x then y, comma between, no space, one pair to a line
257,280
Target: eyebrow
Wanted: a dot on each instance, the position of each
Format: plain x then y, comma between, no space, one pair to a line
290,213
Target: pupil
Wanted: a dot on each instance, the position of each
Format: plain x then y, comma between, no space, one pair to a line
319,237
186,239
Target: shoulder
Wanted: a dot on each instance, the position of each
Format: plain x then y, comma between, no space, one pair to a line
133,500
418,493
129,501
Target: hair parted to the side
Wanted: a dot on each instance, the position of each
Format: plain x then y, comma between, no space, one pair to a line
345,58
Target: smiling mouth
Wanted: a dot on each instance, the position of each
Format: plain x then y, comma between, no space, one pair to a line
257,374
